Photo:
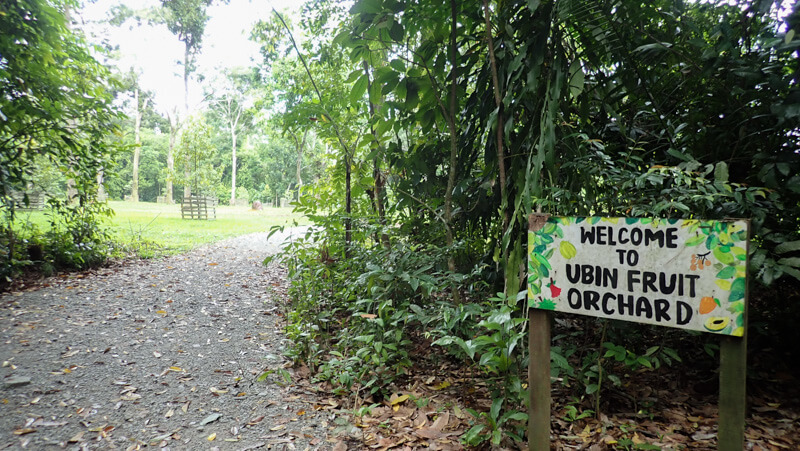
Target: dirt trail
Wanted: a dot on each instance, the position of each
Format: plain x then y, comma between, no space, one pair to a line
162,353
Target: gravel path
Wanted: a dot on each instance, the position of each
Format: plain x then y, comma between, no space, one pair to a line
161,353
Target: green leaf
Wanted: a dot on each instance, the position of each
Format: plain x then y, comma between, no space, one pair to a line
787,246
712,242
358,90
790,261
396,32
497,404
694,241
473,435
723,257
737,289
542,260
721,172
727,273
567,250
576,78
367,7
398,65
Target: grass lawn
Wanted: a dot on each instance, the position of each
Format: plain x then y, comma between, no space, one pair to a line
151,229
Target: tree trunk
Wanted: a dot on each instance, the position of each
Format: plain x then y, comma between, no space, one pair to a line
186,79
233,164
137,150
102,196
451,124
501,163
173,132
187,188
376,170
301,147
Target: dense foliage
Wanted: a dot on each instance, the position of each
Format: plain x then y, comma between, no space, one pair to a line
462,120
56,114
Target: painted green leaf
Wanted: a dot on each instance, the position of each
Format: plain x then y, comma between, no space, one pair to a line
544,272
727,273
712,242
630,221
724,257
567,250
737,289
739,253
724,284
736,307
694,241
547,304
542,260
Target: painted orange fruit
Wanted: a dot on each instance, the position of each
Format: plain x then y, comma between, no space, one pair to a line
707,305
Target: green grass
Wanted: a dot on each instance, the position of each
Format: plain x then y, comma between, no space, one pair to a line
150,229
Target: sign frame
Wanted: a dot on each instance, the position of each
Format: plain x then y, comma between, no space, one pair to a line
733,347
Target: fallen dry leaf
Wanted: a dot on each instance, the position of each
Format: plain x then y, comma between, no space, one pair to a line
394,400
255,420
77,437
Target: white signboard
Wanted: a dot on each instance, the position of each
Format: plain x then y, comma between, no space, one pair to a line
689,274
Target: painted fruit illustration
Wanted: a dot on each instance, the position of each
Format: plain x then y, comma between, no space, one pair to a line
707,305
716,323
554,290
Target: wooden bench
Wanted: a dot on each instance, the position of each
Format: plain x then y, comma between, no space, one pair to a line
199,207
36,200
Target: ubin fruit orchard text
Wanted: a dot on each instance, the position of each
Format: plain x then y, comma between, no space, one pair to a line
688,274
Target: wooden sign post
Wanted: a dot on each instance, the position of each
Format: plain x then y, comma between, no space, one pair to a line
687,274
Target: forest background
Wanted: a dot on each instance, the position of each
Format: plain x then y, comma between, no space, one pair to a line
418,137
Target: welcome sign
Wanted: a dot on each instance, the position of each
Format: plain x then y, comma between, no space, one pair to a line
689,274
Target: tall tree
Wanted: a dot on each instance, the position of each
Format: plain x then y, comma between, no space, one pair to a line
230,102
186,19
140,103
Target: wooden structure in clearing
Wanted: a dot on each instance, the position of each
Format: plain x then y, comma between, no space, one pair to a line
198,207
36,200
